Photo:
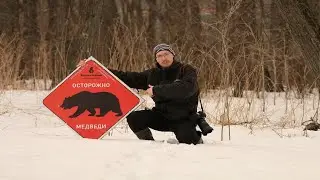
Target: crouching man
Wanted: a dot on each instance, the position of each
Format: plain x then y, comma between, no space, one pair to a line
173,87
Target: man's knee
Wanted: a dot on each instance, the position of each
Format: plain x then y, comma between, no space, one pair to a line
131,118
137,120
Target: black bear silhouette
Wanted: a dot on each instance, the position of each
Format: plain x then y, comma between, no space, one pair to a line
86,100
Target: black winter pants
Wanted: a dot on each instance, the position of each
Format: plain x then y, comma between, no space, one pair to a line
184,130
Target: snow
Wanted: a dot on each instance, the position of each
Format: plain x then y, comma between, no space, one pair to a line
36,145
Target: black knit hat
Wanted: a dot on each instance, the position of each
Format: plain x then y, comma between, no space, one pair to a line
162,47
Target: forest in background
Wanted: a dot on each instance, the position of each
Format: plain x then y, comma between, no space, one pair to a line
260,45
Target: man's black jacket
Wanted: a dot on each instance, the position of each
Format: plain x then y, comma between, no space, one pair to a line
175,88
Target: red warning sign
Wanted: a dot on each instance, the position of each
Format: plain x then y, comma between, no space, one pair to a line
92,100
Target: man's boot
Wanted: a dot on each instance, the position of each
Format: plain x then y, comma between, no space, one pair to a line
144,134
200,140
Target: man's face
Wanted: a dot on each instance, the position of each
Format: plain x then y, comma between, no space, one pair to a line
164,58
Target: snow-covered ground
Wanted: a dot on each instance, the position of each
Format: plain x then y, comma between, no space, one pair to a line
36,145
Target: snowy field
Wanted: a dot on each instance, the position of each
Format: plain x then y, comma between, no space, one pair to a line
36,145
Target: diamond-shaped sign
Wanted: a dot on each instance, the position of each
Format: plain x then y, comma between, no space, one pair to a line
92,100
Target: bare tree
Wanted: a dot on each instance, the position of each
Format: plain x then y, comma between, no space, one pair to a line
304,27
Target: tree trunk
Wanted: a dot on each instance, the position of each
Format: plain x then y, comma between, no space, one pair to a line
29,33
43,24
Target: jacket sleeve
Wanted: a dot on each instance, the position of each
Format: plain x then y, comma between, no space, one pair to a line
181,88
137,80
